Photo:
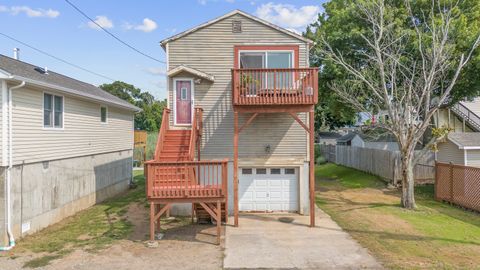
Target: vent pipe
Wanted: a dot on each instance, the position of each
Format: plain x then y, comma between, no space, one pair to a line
16,53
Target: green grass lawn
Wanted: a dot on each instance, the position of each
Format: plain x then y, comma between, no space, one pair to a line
434,236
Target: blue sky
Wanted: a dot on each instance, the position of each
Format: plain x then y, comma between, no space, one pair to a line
55,27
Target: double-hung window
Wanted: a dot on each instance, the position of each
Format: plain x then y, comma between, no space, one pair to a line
52,111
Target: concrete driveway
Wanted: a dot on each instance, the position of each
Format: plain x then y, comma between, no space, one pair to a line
269,241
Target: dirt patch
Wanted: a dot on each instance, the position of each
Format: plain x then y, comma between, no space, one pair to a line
137,214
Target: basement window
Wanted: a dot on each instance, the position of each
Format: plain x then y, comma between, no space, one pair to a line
52,111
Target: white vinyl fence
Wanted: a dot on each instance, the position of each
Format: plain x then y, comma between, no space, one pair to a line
384,163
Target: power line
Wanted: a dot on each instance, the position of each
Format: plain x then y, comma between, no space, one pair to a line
112,35
57,58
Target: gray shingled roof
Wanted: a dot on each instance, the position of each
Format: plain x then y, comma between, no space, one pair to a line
22,71
347,137
465,139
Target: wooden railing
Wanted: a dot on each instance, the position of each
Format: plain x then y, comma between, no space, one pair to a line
470,117
161,132
197,126
187,179
291,86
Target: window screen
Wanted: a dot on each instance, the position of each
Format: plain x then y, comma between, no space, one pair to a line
289,171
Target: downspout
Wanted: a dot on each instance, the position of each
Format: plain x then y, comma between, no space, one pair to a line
8,208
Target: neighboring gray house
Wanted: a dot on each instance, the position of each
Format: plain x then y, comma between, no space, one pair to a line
64,146
382,142
461,148
326,137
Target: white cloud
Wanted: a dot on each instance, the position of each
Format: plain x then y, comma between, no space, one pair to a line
103,21
156,70
30,12
148,26
202,2
287,15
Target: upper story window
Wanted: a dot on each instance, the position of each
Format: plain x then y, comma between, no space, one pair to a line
266,59
103,114
52,111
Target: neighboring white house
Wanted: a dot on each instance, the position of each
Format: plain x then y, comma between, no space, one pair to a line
461,148
64,146
383,142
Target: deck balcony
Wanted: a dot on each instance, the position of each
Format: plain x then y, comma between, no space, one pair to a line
186,180
290,86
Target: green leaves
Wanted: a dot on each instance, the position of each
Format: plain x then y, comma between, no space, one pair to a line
150,117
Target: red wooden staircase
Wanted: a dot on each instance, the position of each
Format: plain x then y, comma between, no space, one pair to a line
177,175
176,146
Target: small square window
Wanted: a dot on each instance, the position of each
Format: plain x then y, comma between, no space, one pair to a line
275,171
103,114
289,171
247,171
261,171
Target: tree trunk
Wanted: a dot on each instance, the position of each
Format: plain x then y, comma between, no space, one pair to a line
408,181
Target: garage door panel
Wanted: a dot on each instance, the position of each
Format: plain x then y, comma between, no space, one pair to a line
268,192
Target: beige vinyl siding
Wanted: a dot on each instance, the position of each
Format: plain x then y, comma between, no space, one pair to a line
473,158
211,50
449,152
82,133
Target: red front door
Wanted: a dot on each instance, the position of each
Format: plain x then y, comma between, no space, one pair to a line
183,102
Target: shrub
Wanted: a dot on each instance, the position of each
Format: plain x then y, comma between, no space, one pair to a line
320,160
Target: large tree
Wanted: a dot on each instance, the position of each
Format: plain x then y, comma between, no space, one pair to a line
405,57
150,117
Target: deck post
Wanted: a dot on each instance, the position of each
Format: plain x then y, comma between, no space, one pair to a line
312,167
235,168
219,221
158,207
152,221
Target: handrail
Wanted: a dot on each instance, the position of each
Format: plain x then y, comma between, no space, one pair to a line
469,114
182,179
275,86
196,124
161,132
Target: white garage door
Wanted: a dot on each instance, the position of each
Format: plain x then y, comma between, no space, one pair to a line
268,189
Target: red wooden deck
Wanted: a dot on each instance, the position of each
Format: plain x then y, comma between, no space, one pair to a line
292,86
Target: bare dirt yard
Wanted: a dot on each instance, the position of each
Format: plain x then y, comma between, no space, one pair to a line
113,235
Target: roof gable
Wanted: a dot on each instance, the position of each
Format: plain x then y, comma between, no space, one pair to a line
235,12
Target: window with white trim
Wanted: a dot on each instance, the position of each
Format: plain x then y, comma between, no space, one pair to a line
52,111
103,114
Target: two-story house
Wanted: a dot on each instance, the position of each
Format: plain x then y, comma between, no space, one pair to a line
240,133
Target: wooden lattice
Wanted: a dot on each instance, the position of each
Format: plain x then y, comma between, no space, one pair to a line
458,184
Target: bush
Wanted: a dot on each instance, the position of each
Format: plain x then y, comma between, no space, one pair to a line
320,160
317,151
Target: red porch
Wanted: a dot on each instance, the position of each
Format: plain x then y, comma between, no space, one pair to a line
175,176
